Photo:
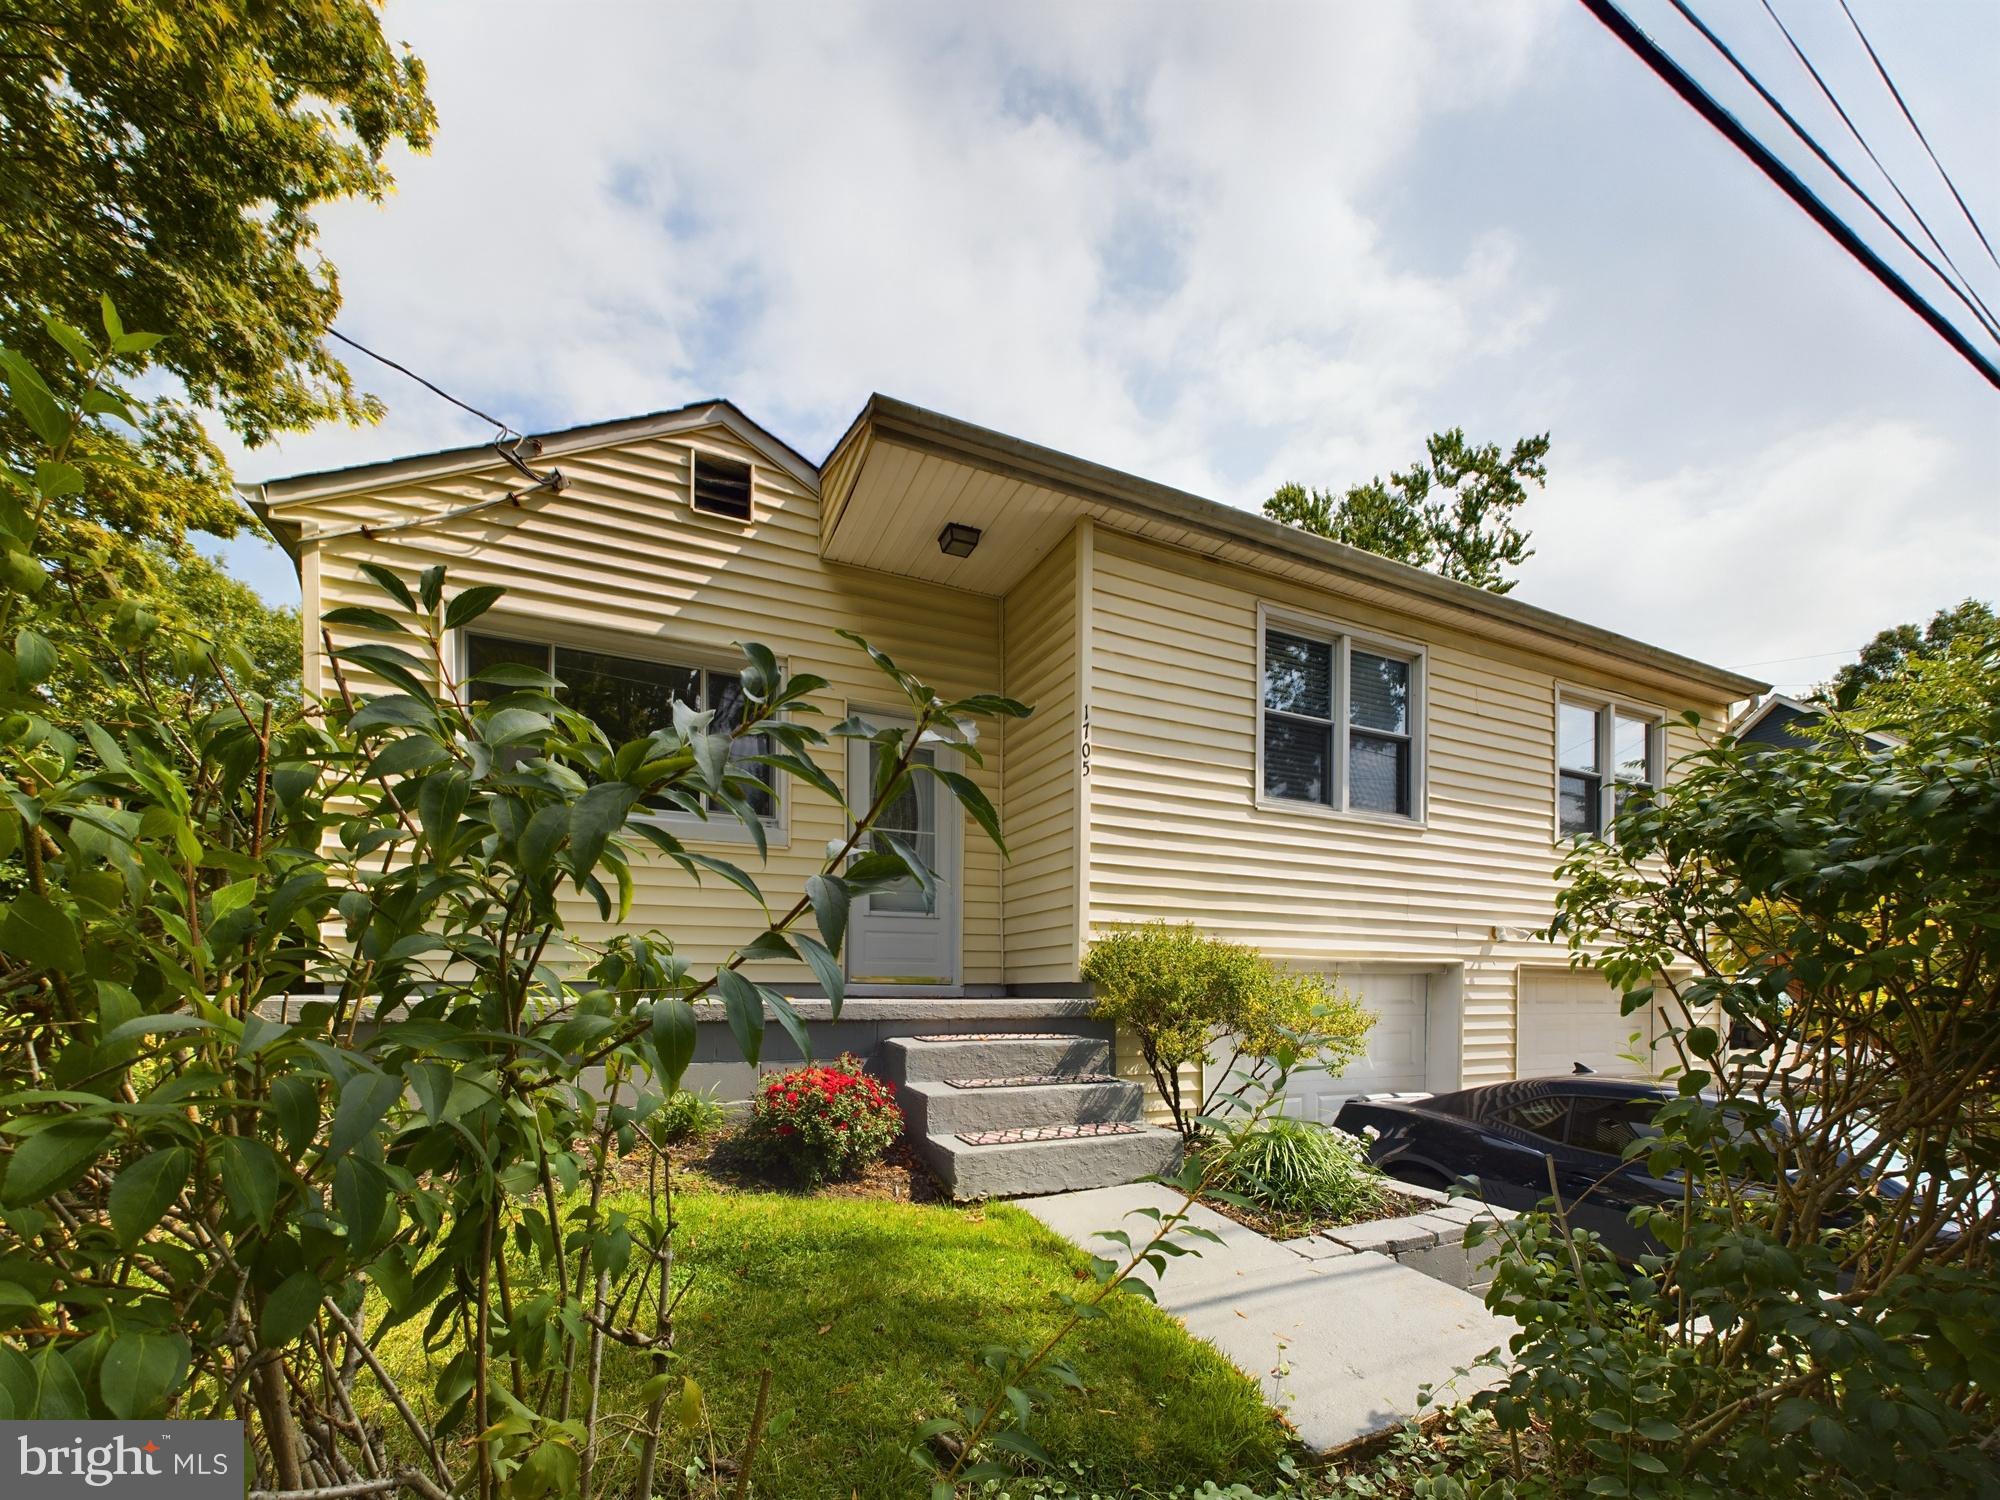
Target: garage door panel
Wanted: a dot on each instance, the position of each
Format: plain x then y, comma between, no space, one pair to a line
1571,1016
1397,1059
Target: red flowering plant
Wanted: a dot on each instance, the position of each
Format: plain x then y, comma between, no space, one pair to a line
821,1122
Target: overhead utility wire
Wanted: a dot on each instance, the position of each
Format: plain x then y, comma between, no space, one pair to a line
1972,305
1861,140
504,430
1897,95
554,480
1648,52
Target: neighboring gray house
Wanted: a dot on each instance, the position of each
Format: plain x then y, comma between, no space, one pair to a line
1787,724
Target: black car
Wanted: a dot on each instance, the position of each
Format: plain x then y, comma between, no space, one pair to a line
1503,1135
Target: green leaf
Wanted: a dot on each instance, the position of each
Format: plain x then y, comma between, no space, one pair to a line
830,902
471,604
788,1018
33,399
598,813
59,1398
361,1194
413,752
364,1099
673,1032
508,726
289,1311
295,1108
34,657
51,1159
396,710
42,933
390,583
141,1371
729,873
144,1191
250,1177
430,585
1609,1420
974,801
825,967
364,618
162,1025
745,1009
54,478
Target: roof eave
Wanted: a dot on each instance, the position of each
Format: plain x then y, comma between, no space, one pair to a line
902,421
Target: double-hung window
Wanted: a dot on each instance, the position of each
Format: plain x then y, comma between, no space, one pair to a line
1604,751
1341,721
629,697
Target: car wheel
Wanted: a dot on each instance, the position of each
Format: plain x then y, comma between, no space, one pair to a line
1419,1176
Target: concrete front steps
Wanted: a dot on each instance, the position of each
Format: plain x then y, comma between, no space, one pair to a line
1000,1115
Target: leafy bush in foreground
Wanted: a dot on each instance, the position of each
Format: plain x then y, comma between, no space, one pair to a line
1189,998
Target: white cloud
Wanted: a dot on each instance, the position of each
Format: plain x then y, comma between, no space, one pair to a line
1222,246
1771,563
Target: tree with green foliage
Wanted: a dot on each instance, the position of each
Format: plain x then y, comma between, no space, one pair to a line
174,155
1452,513
1823,1315
1895,650
213,1206
1190,999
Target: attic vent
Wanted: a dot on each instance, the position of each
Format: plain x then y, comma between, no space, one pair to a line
722,486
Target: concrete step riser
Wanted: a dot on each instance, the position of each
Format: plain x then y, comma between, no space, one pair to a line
940,1109
910,1060
1048,1166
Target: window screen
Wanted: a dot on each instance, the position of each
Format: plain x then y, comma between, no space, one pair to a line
1298,718
1378,735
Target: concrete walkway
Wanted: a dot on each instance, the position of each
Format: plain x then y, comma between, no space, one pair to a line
1341,1343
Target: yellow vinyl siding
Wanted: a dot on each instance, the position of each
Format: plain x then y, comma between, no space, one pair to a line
1176,830
621,561
1039,812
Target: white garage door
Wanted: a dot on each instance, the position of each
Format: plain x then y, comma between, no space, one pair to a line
1398,1047
1570,1016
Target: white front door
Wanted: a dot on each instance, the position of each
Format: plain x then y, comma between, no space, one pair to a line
900,936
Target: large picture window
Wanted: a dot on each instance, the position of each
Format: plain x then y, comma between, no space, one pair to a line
629,697
1341,721
1603,751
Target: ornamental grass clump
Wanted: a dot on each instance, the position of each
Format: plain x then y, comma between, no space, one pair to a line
1295,1168
815,1124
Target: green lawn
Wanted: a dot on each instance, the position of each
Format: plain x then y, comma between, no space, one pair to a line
869,1314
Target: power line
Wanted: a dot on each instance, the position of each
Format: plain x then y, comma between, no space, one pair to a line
1979,312
1669,72
1897,94
503,428
1894,187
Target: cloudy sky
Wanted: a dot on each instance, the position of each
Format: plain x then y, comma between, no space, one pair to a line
1225,246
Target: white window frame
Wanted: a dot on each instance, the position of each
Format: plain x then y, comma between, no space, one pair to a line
1345,639
719,829
695,507
1607,707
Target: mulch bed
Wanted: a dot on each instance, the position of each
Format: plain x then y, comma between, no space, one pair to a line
715,1165
1391,1205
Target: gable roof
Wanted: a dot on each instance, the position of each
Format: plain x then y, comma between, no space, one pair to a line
1084,488
276,494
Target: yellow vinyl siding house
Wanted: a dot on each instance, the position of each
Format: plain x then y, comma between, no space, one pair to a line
1346,762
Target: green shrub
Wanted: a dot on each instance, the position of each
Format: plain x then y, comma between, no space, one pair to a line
690,1115
1294,1167
1180,992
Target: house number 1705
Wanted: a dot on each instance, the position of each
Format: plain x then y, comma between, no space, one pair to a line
1083,739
